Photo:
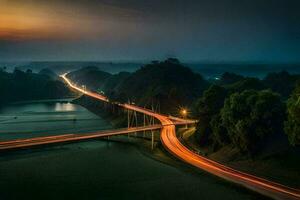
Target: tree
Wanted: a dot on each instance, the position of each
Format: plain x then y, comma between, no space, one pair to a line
246,84
207,107
219,131
292,125
251,117
18,86
167,83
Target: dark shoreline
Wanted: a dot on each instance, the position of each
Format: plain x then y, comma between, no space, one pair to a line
159,154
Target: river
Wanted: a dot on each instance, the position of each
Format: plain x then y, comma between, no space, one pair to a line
95,169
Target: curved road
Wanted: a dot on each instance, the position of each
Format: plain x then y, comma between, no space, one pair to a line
30,142
175,147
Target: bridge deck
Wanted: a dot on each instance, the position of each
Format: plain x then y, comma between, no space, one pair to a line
22,143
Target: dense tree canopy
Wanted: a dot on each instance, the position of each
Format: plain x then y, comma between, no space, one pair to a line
18,86
207,108
167,83
246,84
251,116
292,125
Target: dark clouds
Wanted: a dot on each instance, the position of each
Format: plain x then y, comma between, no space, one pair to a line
210,30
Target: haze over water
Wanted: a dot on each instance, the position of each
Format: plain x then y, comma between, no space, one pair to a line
64,171
43,118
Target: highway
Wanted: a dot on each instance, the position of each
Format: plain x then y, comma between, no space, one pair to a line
175,147
30,142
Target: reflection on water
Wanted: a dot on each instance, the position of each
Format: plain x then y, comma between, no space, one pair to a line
64,107
90,170
34,119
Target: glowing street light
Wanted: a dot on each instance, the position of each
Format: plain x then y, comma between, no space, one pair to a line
184,113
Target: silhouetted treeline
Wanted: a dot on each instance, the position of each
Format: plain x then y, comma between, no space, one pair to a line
281,82
245,112
19,86
168,85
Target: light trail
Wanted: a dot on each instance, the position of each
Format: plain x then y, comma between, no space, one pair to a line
30,142
176,148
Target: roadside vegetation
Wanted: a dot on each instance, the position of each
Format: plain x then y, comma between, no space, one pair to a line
248,112
243,112
238,111
167,85
20,86
248,123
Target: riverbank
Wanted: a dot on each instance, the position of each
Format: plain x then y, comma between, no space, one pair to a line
282,167
142,141
119,168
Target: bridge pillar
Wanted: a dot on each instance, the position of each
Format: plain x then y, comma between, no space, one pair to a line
128,120
144,125
136,122
152,140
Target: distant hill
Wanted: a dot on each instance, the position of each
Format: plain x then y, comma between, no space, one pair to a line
168,84
95,79
49,73
172,85
63,67
280,82
91,77
208,70
245,69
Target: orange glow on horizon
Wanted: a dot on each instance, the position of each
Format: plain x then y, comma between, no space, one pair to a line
29,22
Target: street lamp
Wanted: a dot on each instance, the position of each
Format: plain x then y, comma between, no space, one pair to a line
184,114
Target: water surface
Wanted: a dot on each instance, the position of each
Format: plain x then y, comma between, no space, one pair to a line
95,169
43,118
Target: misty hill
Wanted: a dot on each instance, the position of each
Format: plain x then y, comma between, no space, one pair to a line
49,73
19,86
98,80
91,77
208,70
246,69
280,82
172,85
63,67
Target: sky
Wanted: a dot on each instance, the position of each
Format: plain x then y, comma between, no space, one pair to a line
137,30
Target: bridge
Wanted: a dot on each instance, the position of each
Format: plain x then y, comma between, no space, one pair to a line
172,144
38,141
175,147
